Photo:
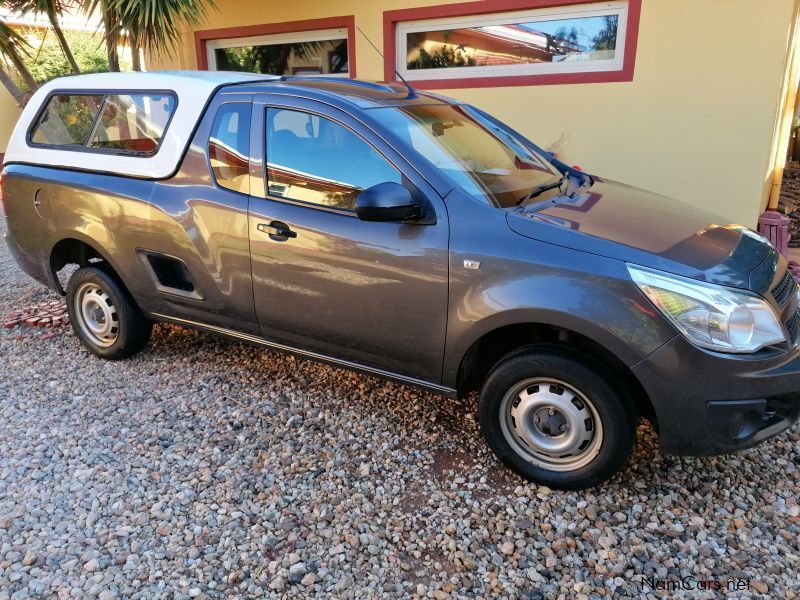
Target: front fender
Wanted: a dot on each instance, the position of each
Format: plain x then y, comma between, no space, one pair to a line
583,293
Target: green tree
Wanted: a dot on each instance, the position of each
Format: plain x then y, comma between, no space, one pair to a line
48,61
606,39
53,9
152,25
13,49
443,57
111,25
567,35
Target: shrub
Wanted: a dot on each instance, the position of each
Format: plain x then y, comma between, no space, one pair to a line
443,57
47,61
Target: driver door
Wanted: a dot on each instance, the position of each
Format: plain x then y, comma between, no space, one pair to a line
369,293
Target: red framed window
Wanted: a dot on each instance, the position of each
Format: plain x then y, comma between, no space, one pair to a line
513,42
310,47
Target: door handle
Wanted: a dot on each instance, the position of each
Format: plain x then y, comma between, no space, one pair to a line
277,229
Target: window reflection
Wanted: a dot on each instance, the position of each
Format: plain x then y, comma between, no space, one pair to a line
313,159
515,43
228,147
484,159
133,123
127,123
67,120
314,57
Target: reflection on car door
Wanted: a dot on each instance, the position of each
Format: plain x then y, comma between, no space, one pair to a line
371,293
192,243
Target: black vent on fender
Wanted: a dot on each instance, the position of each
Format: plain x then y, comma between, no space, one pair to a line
170,272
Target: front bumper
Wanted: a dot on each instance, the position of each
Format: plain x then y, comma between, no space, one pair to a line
711,403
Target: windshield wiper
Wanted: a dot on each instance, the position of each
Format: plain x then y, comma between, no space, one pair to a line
541,189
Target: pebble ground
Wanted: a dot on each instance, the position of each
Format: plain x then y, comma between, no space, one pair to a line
203,468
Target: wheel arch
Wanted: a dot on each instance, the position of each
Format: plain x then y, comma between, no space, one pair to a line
495,343
74,247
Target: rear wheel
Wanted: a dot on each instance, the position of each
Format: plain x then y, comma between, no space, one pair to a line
554,419
104,316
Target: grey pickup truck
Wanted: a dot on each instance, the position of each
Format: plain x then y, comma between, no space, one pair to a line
412,237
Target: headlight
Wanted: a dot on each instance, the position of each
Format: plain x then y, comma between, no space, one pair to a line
711,316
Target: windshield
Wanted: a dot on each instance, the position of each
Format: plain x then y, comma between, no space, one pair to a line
482,158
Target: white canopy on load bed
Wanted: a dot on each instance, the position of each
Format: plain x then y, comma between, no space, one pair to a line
192,89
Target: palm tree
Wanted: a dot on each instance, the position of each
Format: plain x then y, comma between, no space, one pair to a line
606,38
53,9
13,48
111,25
11,86
154,25
112,36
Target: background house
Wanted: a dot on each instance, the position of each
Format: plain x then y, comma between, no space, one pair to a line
684,97
689,98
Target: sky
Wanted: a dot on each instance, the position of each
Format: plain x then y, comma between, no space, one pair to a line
590,26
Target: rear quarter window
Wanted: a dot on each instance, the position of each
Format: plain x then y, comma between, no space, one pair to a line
229,147
67,120
119,123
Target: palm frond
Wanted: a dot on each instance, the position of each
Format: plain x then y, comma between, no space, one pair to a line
156,25
12,45
45,7
14,49
54,9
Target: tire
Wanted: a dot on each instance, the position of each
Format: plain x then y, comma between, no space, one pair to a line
103,315
552,418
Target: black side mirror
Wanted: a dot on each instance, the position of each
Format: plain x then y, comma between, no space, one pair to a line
386,201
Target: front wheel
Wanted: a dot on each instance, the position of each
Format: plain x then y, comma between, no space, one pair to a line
104,316
554,419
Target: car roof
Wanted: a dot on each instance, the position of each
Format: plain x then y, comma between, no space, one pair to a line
362,93
202,81
201,84
193,90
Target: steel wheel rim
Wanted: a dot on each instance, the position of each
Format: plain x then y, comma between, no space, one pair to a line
551,424
96,315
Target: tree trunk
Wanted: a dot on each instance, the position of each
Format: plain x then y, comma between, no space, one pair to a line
136,54
12,87
62,41
112,37
24,73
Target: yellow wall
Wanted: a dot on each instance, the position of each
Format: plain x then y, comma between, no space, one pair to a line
9,113
698,121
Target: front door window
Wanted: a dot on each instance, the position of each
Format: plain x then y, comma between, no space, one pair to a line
313,159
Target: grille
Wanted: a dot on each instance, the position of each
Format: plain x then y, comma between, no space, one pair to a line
784,290
793,326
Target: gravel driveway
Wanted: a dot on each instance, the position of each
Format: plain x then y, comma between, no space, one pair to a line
206,468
